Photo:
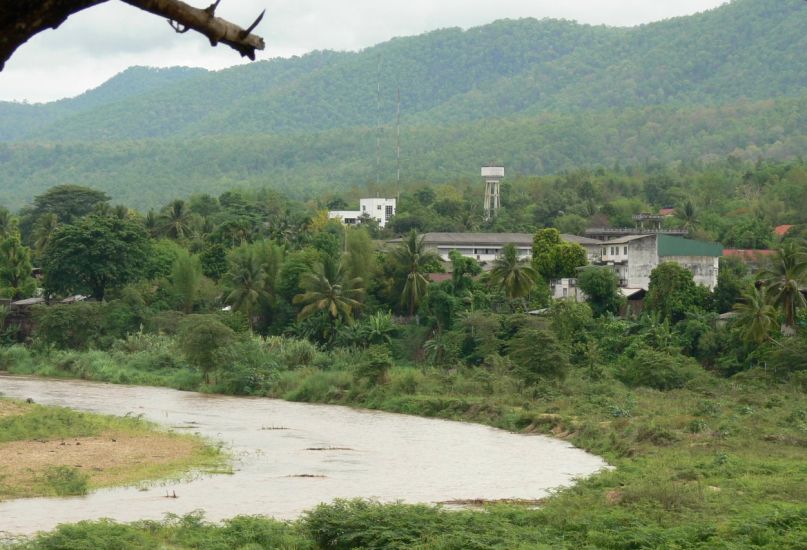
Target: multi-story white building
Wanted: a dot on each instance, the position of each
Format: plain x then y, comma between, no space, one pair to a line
378,209
633,258
485,247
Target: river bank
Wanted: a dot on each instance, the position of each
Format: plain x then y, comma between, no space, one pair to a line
719,462
54,451
289,457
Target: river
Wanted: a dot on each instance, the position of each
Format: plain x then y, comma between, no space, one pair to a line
369,454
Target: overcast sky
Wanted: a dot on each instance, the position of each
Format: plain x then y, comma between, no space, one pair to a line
94,45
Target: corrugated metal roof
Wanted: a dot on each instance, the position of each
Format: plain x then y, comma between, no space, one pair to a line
679,246
494,239
626,240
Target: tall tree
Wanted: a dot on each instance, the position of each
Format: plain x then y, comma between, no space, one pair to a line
784,280
325,289
514,274
175,221
415,260
94,254
15,268
673,292
68,202
186,276
756,317
251,278
43,230
601,287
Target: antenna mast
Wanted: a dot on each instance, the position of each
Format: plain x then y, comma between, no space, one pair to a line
378,129
398,140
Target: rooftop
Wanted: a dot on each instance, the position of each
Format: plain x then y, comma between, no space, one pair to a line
493,239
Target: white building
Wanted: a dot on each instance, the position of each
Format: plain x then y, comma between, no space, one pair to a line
633,258
485,247
378,209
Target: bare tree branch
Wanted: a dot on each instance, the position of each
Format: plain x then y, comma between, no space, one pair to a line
205,21
22,19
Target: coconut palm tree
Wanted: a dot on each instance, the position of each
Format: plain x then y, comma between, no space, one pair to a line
326,290
246,279
175,221
756,317
515,275
413,258
44,228
688,216
784,280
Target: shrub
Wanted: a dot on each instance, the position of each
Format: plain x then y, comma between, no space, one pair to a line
659,370
376,366
67,481
537,354
245,368
200,337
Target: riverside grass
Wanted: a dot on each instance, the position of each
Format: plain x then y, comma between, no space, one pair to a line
53,451
717,464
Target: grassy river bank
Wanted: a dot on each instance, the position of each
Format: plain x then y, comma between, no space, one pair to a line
718,463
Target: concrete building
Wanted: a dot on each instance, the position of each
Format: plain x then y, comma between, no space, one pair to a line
633,258
378,209
485,247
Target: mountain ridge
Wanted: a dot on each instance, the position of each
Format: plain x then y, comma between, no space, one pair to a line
508,74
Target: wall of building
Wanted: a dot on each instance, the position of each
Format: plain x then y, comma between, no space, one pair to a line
642,260
703,268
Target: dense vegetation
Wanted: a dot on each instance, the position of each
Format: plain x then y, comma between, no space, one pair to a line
538,96
704,420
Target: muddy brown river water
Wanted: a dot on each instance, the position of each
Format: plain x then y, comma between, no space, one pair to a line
372,454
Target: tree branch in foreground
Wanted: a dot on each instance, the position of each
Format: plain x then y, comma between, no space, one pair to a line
22,19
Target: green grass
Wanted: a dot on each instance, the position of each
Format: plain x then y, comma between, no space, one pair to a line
717,464
30,423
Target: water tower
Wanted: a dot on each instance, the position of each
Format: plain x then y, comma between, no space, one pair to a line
493,178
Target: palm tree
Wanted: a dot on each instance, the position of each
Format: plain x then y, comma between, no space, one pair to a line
325,290
175,221
756,317
688,216
44,228
783,281
516,275
246,279
413,257
379,328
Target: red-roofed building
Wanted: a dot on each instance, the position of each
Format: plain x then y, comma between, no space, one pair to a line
751,257
783,230
666,212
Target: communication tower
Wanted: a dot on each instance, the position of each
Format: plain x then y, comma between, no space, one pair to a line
493,178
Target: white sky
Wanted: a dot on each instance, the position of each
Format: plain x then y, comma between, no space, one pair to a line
94,45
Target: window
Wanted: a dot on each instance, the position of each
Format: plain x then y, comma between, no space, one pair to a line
378,207
389,213
364,208
626,251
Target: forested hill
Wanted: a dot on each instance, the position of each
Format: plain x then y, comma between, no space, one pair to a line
555,91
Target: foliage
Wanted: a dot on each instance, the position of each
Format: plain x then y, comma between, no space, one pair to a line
515,275
412,260
784,280
200,338
186,277
95,254
538,354
555,259
15,268
601,287
658,370
325,290
673,292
